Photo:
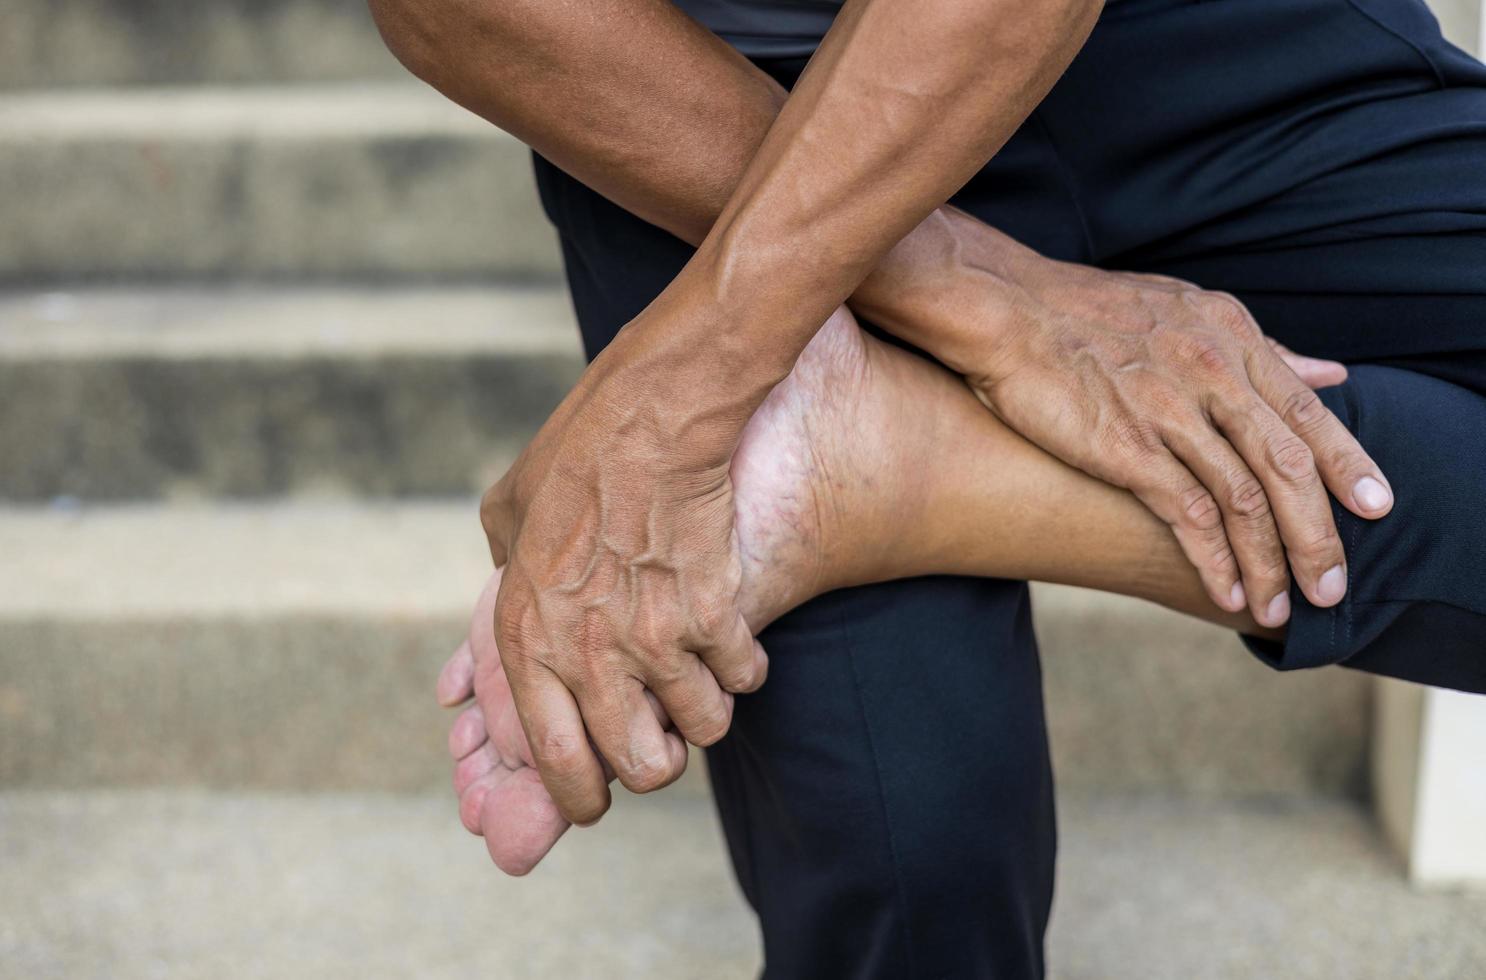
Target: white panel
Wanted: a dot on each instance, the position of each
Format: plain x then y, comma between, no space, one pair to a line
1449,839
1398,724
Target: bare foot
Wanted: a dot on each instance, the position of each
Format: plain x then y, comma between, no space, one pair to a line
815,451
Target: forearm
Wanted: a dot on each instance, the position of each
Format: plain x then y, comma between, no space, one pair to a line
656,113
902,103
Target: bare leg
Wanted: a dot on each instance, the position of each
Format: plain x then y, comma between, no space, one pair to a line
872,464
867,464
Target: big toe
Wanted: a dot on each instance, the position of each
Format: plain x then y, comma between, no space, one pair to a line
519,821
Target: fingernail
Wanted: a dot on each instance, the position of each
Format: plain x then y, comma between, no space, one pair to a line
1332,586
1371,495
1236,598
1278,610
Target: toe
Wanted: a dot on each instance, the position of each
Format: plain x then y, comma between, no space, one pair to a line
473,767
457,679
520,822
472,800
467,733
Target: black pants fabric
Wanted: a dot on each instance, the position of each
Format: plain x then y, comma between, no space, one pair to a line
887,797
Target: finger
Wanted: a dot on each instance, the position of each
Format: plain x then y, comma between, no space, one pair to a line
1313,371
456,682
559,746
481,636
662,717
519,821
501,719
737,660
1176,496
517,817
1247,519
1348,471
467,733
621,723
700,709
1297,497
498,520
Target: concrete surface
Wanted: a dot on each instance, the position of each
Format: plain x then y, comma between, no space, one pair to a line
138,393
294,646
158,42
1167,888
1141,697
361,181
1460,20
166,885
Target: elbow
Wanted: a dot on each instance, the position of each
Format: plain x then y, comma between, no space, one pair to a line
1083,14
1069,22
411,29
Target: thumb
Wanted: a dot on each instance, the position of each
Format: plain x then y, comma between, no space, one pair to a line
498,518
1315,372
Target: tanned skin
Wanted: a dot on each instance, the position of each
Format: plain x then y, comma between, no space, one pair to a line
616,525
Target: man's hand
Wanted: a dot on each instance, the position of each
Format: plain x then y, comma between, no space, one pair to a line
1171,391
622,572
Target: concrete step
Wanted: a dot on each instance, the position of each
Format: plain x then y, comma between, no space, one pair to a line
1149,888
364,181
293,646
169,42
123,394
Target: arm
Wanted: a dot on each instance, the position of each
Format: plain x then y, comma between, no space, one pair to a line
641,103
593,87
645,106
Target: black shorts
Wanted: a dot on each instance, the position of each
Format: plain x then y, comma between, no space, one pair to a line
1325,161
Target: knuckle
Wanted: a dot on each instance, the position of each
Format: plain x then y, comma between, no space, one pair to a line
650,641
1266,577
1135,436
1319,544
735,674
1225,311
709,735
710,729
668,672
1221,562
1293,460
1302,410
1204,352
1268,564
1199,509
711,618
1345,459
647,772
1247,500
558,750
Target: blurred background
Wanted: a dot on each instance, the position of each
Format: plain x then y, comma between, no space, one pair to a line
271,316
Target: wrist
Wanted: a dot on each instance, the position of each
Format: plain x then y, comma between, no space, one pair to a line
673,378
955,288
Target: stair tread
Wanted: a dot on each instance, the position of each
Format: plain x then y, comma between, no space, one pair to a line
368,182
254,885
184,321
330,110
414,558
